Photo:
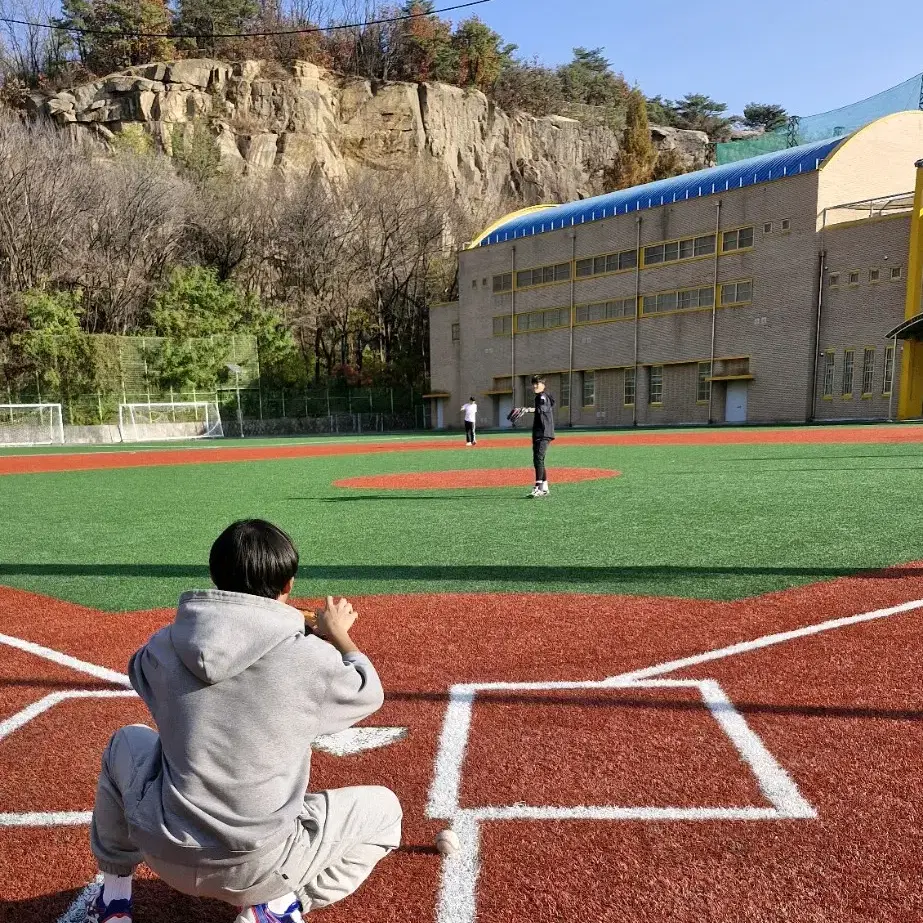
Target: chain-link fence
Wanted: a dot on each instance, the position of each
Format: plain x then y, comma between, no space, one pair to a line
256,411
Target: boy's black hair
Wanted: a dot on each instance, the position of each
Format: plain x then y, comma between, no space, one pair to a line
253,556
472,399
538,379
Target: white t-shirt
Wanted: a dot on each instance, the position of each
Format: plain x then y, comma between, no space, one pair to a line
471,412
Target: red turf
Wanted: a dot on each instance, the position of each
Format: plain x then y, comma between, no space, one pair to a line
144,458
840,711
472,478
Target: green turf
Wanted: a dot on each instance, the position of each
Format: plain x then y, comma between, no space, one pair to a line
718,522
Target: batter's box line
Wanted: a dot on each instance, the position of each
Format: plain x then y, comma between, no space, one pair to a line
458,893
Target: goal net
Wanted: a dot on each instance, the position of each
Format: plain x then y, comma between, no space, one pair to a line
31,424
165,421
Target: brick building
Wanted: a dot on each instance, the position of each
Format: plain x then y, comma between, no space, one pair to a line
761,291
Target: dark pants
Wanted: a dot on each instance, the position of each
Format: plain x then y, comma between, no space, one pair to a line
539,448
469,431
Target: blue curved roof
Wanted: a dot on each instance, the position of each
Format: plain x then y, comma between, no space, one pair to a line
789,162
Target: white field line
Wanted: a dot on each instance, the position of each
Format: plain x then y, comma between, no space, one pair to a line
616,813
775,783
453,742
457,902
745,647
65,660
46,819
14,722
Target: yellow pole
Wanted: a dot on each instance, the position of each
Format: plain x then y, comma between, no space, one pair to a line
910,401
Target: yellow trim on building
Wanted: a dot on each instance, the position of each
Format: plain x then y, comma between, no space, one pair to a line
471,245
910,400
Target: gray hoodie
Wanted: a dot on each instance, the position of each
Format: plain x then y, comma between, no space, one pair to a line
238,692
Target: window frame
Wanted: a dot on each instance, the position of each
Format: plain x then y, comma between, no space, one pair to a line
630,374
877,278
833,279
583,388
737,299
899,270
650,385
868,372
829,375
726,247
887,378
849,368
854,277
456,333
565,388
505,319
703,382
503,287
785,225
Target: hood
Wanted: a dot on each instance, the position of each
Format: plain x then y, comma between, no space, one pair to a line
217,634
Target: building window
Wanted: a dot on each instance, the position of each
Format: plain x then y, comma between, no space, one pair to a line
785,225
736,292
674,250
889,371
703,389
896,273
589,389
503,325
565,389
607,262
874,275
484,283
503,282
849,357
767,227
741,239
628,398
604,310
829,371
655,384
543,275
456,332
542,320
683,300
868,370
834,279
854,277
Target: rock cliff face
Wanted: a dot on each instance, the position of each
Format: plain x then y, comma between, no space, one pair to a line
314,120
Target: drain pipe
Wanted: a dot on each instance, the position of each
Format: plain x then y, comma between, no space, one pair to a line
513,323
714,311
634,406
573,308
821,267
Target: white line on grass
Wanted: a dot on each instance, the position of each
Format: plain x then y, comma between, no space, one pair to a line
65,660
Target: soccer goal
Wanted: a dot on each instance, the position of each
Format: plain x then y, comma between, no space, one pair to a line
160,422
31,424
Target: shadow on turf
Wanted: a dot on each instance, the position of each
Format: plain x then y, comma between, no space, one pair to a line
463,573
479,497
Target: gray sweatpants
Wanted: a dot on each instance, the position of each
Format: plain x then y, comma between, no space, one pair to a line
340,837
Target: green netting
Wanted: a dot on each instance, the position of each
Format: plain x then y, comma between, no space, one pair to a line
833,124
123,362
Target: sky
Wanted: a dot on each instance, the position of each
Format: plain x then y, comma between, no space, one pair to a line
809,56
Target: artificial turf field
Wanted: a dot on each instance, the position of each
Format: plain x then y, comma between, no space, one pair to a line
685,688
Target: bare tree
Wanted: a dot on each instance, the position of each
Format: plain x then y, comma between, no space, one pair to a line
133,235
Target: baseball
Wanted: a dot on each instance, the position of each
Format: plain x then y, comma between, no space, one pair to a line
447,842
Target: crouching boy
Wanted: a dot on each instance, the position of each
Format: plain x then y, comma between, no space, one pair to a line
215,801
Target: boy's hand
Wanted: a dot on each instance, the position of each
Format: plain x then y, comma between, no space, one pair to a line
334,622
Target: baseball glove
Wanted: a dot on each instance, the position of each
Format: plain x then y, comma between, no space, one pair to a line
515,414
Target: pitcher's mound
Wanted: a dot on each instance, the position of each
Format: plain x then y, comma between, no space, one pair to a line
472,478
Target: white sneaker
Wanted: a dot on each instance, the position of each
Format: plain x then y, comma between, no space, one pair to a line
468,444
536,492
543,492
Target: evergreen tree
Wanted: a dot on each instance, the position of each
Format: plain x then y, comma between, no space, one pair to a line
132,21
637,157
768,116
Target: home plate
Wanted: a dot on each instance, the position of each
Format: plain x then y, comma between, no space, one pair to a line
357,740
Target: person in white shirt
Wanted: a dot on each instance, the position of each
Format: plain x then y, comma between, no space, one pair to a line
470,410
